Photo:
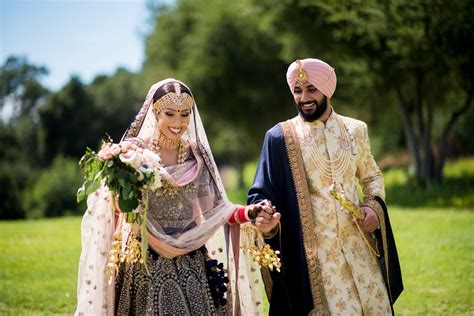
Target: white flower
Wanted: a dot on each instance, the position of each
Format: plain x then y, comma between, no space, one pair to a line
126,146
151,157
145,168
157,180
131,158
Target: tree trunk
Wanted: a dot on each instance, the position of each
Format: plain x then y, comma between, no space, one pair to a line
409,132
443,142
424,113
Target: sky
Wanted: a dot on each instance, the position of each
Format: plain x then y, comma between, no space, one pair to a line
74,37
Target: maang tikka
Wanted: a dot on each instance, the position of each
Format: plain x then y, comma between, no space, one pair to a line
182,101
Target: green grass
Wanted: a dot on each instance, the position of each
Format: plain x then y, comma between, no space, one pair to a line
38,266
38,263
436,249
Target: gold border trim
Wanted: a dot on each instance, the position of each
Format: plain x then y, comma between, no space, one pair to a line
307,220
375,205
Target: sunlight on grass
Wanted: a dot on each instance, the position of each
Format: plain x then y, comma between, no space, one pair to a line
436,253
38,263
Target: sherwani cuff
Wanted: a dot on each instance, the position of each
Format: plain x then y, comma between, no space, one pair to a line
371,202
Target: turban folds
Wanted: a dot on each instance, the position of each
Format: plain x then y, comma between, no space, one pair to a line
315,71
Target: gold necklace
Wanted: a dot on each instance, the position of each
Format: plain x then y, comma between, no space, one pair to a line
330,168
164,142
161,141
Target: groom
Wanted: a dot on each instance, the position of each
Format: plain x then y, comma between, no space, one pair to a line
332,262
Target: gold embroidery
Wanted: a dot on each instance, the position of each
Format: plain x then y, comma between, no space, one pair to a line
306,219
378,209
138,121
349,249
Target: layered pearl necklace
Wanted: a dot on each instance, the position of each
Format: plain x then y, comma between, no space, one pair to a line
330,168
160,141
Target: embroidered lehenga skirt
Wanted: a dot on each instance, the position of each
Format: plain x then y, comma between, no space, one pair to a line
177,286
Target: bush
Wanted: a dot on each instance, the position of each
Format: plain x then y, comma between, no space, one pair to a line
54,191
455,191
14,177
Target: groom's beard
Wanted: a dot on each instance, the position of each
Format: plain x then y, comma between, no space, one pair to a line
316,113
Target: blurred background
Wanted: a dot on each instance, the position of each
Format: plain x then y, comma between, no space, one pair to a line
72,71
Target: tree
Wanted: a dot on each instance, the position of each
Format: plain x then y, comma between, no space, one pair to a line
229,56
117,100
20,80
69,121
419,55
20,150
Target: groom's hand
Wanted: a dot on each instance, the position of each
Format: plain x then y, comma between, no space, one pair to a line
268,218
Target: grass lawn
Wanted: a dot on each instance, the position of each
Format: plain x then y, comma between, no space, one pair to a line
38,266
436,249
38,263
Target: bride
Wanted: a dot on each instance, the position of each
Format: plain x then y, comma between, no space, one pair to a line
190,227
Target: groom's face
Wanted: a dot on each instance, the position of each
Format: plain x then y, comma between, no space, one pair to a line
310,102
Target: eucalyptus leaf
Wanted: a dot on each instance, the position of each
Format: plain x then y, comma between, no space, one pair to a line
81,194
128,205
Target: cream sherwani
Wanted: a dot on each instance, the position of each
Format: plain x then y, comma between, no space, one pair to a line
351,277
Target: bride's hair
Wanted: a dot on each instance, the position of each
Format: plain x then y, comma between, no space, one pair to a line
170,87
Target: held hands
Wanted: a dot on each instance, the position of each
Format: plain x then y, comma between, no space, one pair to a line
370,222
267,218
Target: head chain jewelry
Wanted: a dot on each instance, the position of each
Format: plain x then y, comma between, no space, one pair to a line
182,100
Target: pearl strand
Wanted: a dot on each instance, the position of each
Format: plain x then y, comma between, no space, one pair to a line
323,164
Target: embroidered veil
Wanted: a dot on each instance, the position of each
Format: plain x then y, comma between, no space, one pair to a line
205,224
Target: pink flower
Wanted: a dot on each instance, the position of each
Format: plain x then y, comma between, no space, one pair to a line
126,146
105,153
115,149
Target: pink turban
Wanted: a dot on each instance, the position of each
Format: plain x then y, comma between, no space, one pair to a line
315,71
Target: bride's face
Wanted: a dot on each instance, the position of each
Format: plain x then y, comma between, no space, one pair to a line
173,122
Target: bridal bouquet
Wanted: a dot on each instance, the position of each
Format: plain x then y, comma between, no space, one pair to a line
126,169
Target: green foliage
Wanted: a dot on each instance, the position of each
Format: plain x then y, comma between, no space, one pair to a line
119,178
456,190
116,99
14,178
19,78
20,142
69,121
17,166
401,65
54,190
228,55
406,58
